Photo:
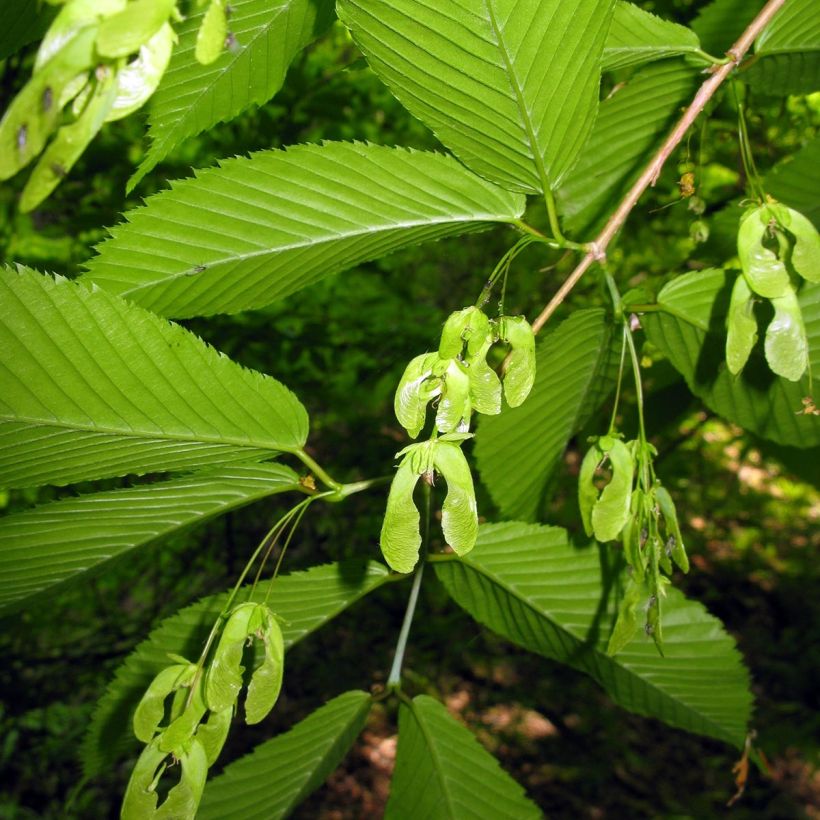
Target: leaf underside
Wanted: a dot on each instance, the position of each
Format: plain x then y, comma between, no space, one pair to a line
443,772
530,585
690,331
259,228
192,97
516,452
59,542
280,773
304,600
511,88
92,386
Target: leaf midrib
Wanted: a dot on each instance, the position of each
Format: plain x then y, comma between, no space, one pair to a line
494,579
318,242
131,433
519,97
436,757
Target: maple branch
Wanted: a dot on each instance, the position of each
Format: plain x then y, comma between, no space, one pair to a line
596,250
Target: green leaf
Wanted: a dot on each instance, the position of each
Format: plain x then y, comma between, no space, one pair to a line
443,773
459,514
787,53
511,88
796,180
455,406
304,600
415,391
400,538
806,252
93,386
279,774
516,452
637,36
259,228
784,74
796,27
689,329
530,585
151,709
191,97
631,123
56,543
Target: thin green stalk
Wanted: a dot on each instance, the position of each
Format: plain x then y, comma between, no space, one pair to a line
317,470
618,385
282,553
394,679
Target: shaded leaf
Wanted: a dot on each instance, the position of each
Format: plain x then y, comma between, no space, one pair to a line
443,773
689,329
516,452
58,542
511,88
191,97
24,21
279,774
400,538
720,23
259,228
93,386
796,180
304,600
530,585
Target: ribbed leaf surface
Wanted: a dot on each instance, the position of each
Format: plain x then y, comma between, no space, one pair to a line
260,228
689,329
786,73
304,600
630,124
796,27
93,386
279,774
193,97
637,36
797,181
517,451
443,773
510,87
57,542
530,585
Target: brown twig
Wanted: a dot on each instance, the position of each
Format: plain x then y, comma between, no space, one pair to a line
597,249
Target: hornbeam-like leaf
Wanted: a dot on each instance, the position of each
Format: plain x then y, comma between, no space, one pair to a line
796,181
689,329
796,27
303,600
510,87
783,74
637,36
257,229
443,772
279,774
92,386
530,585
630,124
516,451
193,97
58,542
